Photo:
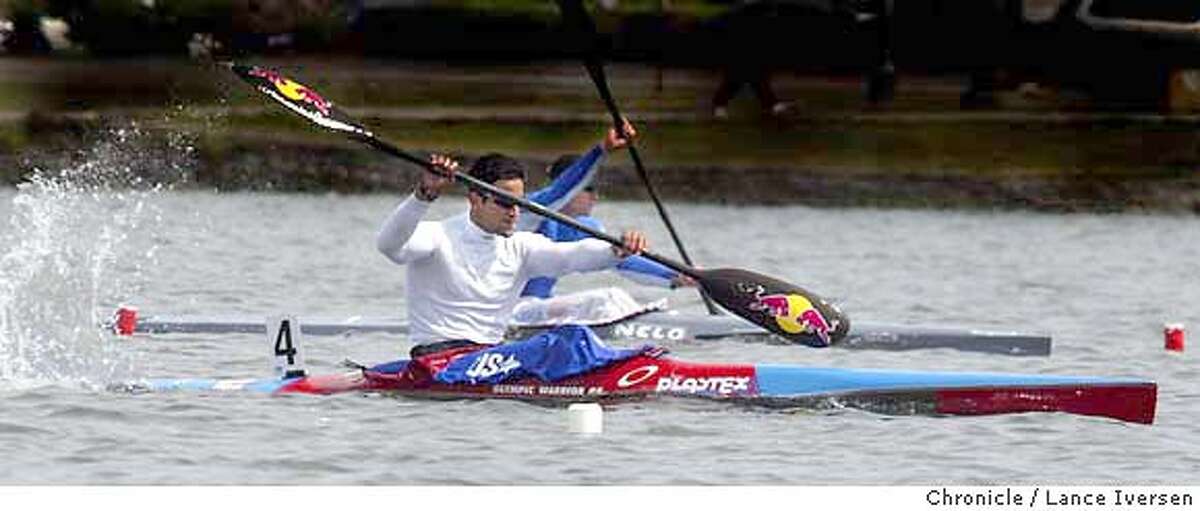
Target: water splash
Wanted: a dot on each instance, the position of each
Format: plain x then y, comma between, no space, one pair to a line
74,245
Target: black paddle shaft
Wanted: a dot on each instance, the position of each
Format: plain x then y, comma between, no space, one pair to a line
574,12
596,71
785,309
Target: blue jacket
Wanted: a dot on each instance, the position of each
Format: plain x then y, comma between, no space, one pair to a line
556,195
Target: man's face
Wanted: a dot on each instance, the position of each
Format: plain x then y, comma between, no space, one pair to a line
582,203
491,213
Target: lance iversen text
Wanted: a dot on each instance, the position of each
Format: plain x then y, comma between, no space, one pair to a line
1058,497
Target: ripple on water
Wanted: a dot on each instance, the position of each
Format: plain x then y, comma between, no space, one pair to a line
20,430
674,430
76,412
38,394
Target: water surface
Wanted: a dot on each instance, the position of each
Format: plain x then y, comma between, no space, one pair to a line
1102,285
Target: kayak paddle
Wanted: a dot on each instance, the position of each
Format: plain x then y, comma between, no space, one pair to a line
573,12
785,309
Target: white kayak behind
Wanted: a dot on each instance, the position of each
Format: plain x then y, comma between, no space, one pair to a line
619,319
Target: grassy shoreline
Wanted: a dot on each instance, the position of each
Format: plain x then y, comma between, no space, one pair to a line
266,158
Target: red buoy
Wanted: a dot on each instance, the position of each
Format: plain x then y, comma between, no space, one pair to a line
1173,336
126,321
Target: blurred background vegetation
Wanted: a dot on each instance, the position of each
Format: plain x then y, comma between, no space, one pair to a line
436,28
1051,103
1125,52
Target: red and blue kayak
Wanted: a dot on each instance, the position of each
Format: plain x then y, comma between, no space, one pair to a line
882,391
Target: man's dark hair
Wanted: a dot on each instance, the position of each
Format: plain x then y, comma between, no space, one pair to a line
493,167
561,163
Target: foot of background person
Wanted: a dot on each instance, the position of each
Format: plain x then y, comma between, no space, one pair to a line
782,109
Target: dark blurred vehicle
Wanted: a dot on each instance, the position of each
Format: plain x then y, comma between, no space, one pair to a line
1125,53
20,27
136,27
129,27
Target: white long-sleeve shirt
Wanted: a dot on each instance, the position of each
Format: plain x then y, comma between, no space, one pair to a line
463,281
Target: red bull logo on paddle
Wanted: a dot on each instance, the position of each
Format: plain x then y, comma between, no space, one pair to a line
796,314
294,91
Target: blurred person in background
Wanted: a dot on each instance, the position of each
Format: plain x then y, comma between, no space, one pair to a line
747,53
572,192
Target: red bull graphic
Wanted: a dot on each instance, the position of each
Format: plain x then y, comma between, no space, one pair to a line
294,91
796,314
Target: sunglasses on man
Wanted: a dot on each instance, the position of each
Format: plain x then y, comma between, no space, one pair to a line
501,202
504,203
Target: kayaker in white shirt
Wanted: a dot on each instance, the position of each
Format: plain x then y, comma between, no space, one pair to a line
465,273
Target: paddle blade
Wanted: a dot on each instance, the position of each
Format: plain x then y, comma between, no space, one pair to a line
301,99
784,309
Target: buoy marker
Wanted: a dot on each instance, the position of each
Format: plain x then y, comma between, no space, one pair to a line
1173,336
585,418
126,320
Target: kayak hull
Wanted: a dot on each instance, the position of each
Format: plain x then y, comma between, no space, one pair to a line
883,391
